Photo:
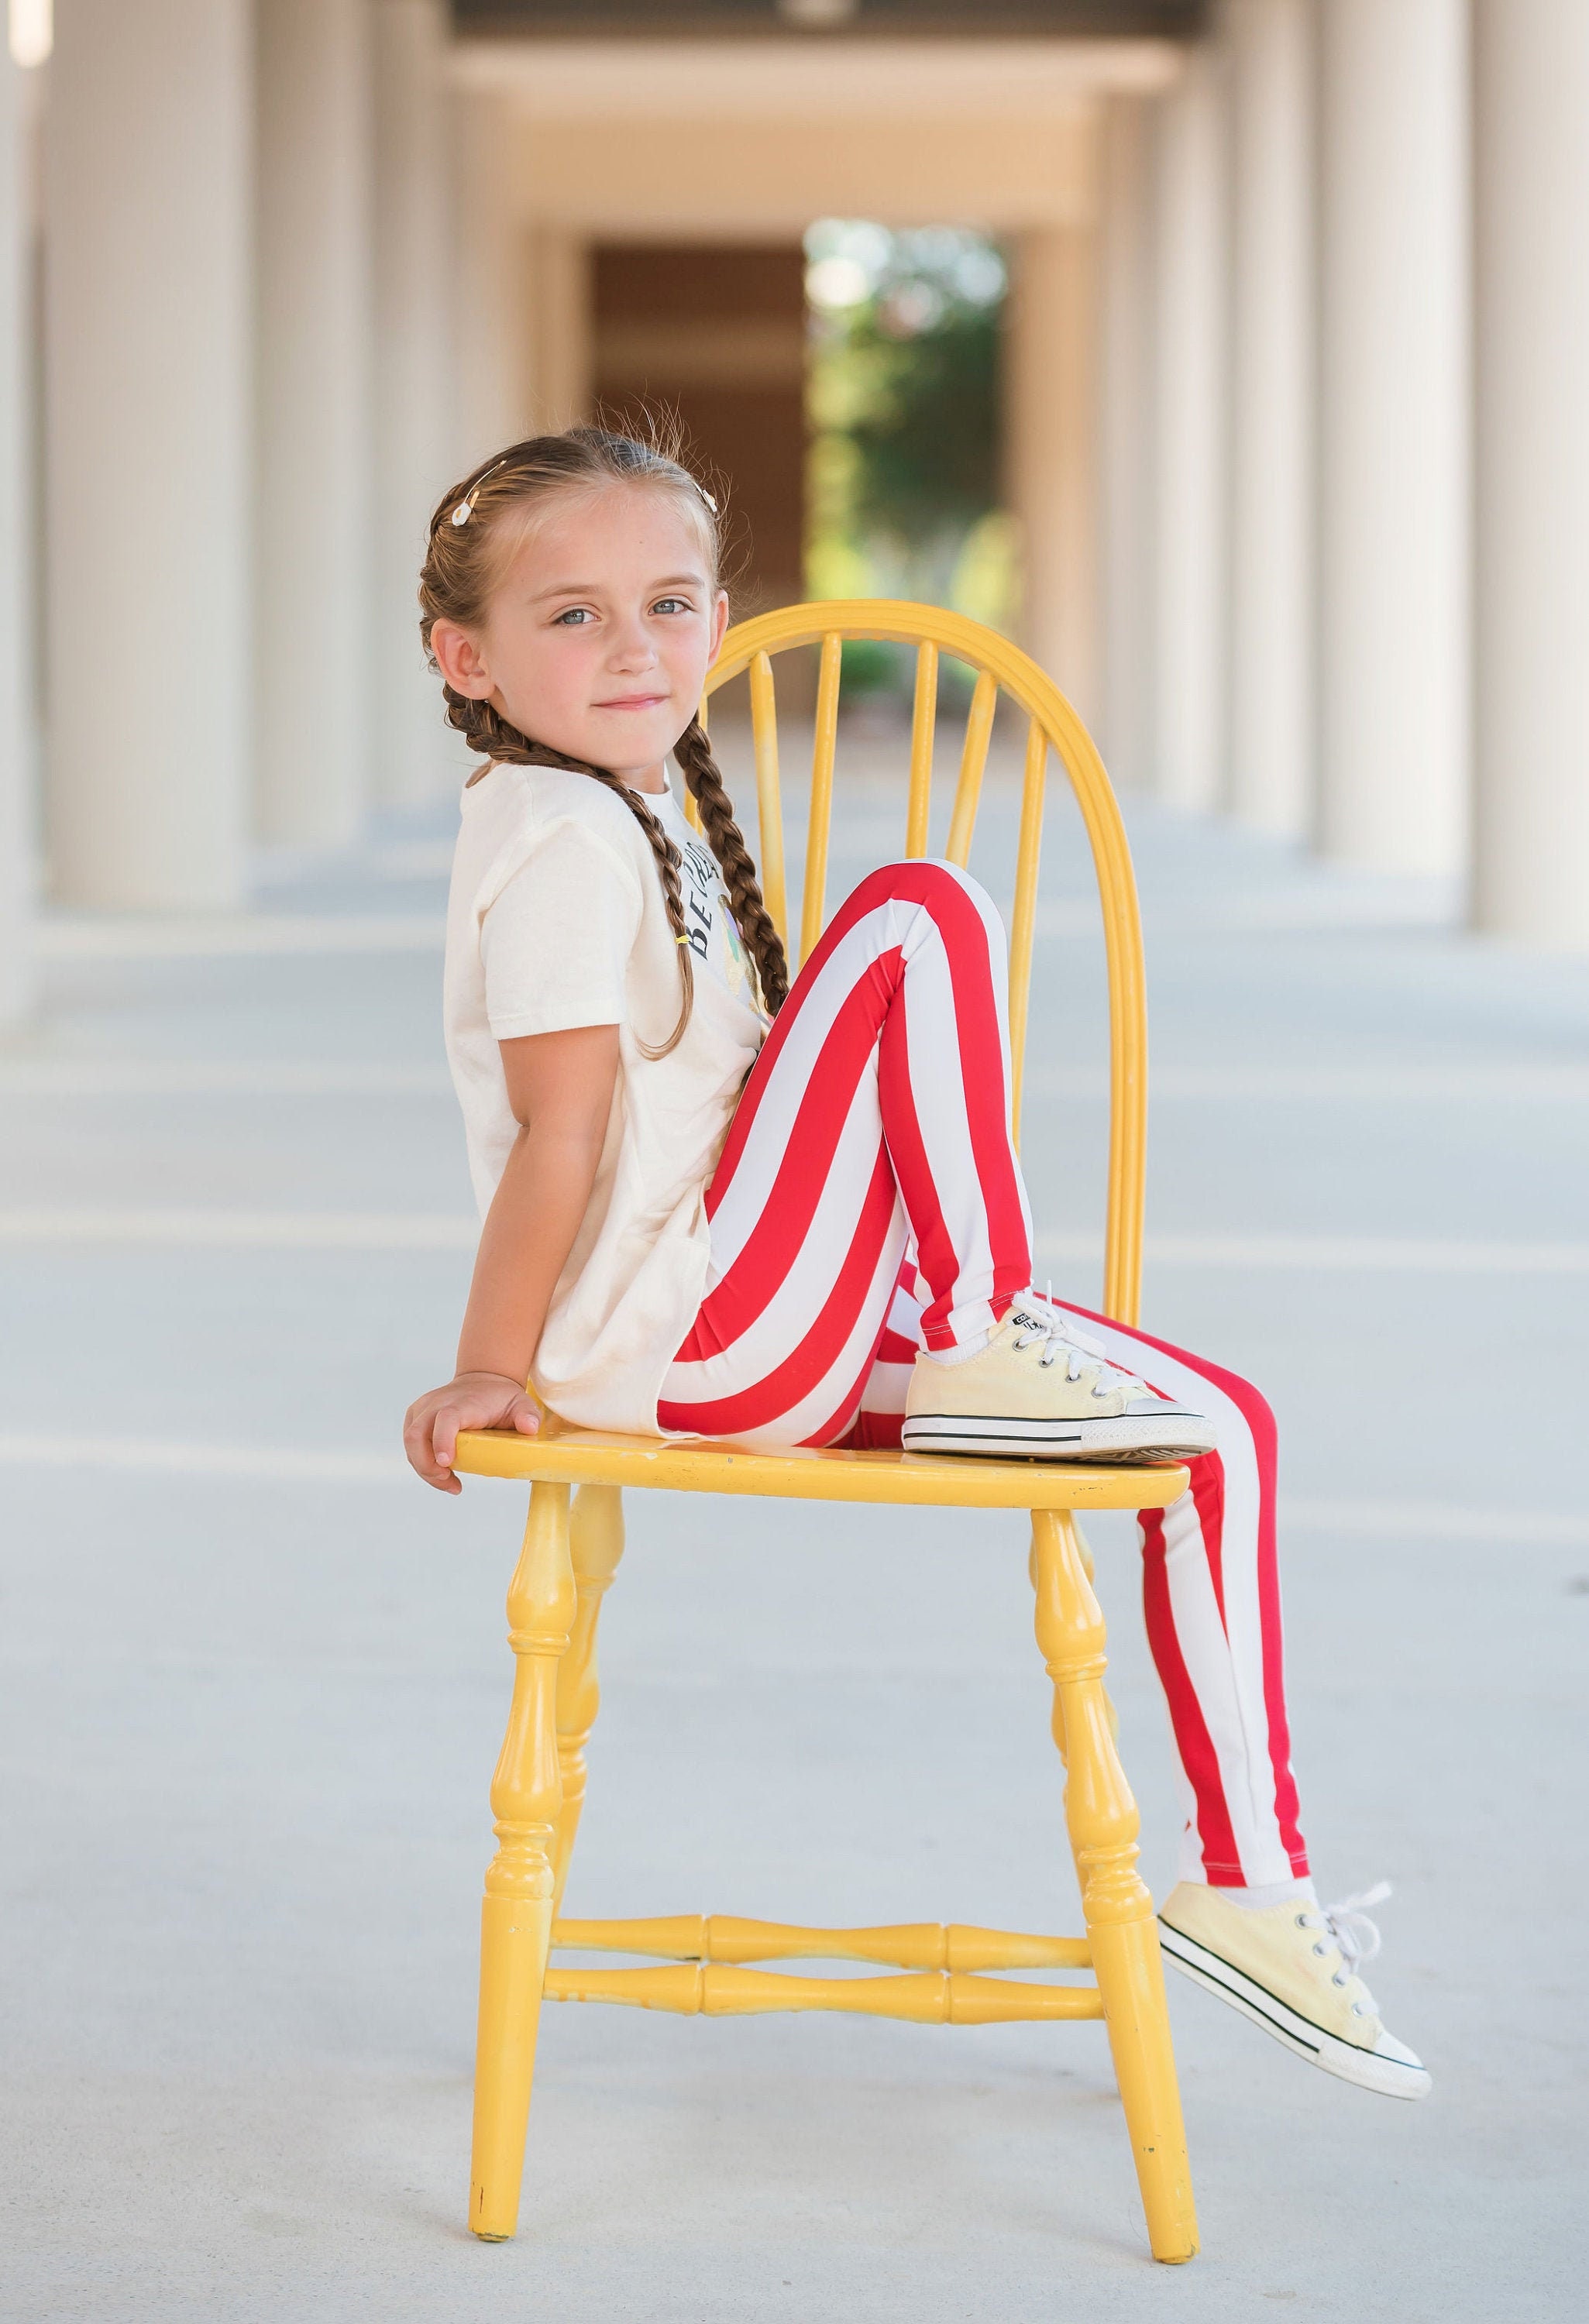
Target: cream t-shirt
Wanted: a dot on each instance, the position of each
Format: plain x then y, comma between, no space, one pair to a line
713,939
557,919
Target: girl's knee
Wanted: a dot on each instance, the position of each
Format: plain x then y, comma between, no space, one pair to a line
1246,1409
920,880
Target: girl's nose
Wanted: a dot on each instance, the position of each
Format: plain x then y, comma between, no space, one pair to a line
633,647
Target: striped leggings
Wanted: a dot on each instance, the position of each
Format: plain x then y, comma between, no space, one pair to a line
869,1202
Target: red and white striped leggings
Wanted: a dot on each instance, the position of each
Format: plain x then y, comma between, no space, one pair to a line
869,1199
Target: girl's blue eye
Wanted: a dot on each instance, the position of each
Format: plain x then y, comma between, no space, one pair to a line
672,606
576,617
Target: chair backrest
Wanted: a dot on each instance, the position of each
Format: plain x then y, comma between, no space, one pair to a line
1052,725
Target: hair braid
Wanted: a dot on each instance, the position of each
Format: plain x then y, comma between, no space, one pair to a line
487,730
754,920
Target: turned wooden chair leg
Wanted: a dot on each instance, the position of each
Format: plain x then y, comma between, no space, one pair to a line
515,1927
596,1535
1086,1555
1102,1820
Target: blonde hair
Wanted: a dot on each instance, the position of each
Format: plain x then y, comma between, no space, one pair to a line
472,537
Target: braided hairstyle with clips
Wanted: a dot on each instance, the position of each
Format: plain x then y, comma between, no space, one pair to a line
471,543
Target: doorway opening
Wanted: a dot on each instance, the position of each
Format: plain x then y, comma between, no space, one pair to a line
715,335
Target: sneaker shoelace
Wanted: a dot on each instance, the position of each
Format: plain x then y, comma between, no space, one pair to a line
1039,1323
1355,1936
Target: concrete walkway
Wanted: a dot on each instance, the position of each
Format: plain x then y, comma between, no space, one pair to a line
255,1678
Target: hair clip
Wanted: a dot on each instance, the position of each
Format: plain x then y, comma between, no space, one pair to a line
466,507
705,495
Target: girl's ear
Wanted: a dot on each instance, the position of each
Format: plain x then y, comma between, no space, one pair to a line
459,660
719,623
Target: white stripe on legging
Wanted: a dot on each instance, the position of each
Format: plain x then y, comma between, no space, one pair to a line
1223,1660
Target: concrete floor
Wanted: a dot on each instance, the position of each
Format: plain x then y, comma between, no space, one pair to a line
254,1678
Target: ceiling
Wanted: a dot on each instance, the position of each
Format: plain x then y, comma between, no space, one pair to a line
833,20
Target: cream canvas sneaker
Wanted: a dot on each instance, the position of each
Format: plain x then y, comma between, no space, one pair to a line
1293,1970
1042,1390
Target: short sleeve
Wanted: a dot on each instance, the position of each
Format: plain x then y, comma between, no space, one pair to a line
555,942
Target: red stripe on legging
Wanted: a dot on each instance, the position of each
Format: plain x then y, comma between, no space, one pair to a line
802,1371
1255,1411
873,1432
982,1075
832,1431
1192,1738
790,1203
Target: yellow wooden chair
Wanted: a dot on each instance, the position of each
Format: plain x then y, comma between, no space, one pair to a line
570,1556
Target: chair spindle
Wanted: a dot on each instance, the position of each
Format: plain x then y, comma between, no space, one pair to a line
923,720
1023,919
974,758
815,892
769,797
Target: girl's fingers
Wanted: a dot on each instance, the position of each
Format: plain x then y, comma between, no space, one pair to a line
427,1454
431,1435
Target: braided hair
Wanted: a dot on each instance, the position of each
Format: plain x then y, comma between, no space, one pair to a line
470,545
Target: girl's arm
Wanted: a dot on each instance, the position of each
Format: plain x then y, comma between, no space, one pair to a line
560,1087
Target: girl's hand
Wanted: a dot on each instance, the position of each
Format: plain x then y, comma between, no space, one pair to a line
472,1400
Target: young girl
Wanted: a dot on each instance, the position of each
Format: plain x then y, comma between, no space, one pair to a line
718,1204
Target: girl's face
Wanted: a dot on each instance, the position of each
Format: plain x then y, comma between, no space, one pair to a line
600,633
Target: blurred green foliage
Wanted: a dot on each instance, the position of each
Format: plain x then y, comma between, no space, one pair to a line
903,399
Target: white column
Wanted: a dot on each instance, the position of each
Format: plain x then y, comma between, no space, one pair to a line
1393,419
1051,451
1531,565
1272,710
148,206
312,536
488,324
1126,427
18,751
413,376
1191,464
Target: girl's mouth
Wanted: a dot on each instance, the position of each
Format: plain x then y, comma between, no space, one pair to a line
634,702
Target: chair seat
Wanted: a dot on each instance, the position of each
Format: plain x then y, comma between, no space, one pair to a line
579,1456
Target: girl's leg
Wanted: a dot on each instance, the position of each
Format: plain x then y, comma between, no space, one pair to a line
877,1114
876,1120
1212,1594
1211,1589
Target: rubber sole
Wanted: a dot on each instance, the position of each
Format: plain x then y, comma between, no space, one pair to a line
1136,1438
1387,2076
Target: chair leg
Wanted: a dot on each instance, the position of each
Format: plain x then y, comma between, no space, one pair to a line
1101,1816
515,1928
595,1534
1086,1556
